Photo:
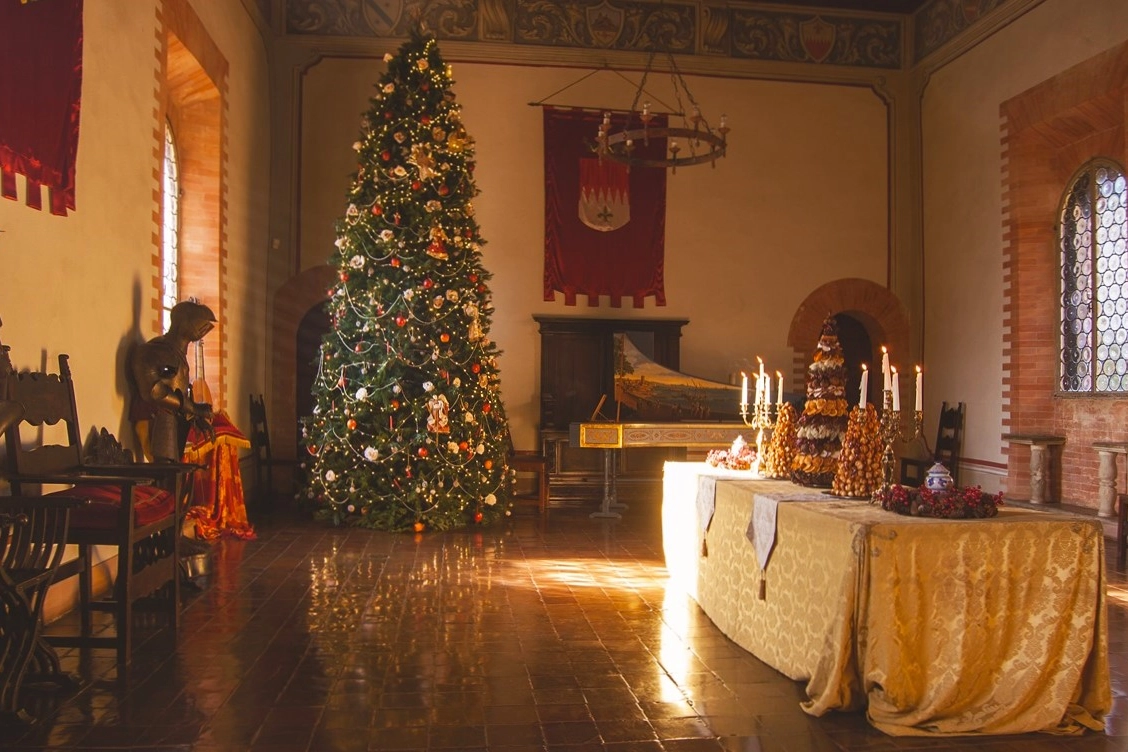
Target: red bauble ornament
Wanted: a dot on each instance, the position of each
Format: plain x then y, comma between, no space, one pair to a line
312,450
418,527
416,185
443,190
425,86
486,407
475,368
481,288
473,277
477,516
488,463
422,451
395,404
385,155
463,445
388,115
377,210
352,425
344,276
425,120
444,337
395,261
428,283
401,321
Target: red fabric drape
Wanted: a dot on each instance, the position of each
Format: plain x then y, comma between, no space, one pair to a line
40,92
578,260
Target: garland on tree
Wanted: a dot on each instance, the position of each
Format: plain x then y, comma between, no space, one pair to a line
408,429
780,453
859,465
824,417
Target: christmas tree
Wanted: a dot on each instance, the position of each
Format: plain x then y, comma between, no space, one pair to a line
408,429
823,422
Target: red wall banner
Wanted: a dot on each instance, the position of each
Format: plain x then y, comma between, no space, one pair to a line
619,260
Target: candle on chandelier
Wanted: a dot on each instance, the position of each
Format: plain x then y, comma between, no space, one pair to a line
895,385
761,362
919,390
743,389
886,382
779,397
864,387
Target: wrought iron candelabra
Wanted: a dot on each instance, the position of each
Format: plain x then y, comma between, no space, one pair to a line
891,431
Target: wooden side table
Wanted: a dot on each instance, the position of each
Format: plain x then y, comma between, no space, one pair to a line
1041,447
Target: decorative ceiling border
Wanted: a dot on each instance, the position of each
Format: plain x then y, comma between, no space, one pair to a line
939,21
684,27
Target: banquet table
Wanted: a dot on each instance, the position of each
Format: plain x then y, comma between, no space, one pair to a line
944,627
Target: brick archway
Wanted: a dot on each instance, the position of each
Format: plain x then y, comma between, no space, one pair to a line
291,303
875,307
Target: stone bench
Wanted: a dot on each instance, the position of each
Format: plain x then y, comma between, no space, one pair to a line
1041,446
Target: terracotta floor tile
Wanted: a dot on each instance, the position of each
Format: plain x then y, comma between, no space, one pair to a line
524,637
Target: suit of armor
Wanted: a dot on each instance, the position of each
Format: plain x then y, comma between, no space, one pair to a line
163,408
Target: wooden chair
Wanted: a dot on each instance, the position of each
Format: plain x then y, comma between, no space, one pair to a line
133,508
947,451
264,459
33,533
1121,529
530,461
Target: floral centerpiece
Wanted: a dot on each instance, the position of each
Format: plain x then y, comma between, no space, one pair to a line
968,502
740,456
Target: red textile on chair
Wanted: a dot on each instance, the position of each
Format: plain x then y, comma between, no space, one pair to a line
218,503
150,504
624,262
40,93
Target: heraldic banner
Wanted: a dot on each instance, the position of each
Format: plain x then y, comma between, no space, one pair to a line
40,91
604,225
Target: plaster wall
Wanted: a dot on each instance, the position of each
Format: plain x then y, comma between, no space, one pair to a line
82,284
963,165
800,200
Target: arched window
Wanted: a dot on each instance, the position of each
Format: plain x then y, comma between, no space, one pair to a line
1093,231
170,229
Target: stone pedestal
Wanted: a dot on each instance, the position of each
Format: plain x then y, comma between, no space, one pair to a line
1106,475
1041,447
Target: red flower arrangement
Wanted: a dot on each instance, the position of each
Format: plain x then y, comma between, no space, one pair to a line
969,502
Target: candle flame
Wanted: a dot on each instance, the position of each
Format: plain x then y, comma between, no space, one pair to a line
893,369
759,360
779,375
883,350
865,367
918,369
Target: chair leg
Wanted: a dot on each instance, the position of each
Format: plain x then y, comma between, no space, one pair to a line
1122,530
85,590
123,609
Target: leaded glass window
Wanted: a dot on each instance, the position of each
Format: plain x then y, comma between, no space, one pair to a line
1094,281
170,230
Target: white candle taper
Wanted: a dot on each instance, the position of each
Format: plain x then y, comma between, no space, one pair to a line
896,387
779,399
864,387
886,382
919,390
743,389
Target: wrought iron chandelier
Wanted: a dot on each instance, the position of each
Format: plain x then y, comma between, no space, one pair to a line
703,143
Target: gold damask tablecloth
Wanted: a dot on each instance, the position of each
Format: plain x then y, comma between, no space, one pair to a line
934,626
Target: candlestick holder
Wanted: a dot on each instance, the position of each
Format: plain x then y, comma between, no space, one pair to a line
760,419
891,431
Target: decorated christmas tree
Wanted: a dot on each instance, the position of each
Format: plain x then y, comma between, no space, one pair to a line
408,429
859,465
776,462
823,422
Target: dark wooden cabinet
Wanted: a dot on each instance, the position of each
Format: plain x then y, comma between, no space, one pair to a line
577,368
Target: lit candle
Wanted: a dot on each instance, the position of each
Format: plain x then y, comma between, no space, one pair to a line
896,387
759,390
864,387
779,398
886,384
919,390
743,389
761,361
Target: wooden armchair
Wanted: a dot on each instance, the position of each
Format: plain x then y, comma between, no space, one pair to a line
531,462
133,508
263,457
947,450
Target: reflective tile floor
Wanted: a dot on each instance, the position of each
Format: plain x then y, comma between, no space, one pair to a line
557,637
